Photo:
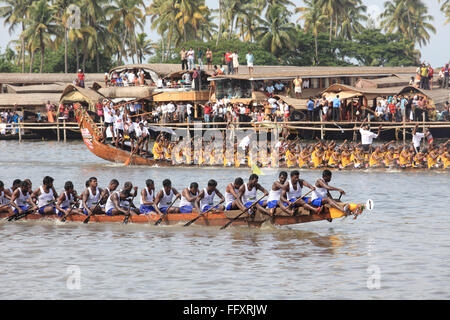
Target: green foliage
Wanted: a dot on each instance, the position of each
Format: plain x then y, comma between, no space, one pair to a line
7,61
373,48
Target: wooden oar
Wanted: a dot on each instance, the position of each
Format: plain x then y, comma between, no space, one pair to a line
18,216
237,217
95,208
127,217
299,199
128,161
203,213
167,211
63,219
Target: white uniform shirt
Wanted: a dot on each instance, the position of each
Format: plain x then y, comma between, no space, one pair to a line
367,136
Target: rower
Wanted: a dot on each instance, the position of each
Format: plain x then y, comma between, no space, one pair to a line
142,136
275,193
205,199
15,185
118,202
231,195
188,196
21,199
118,119
405,157
91,197
321,195
4,201
291,195
432,158
148,198
113,184
68,201
375,158
164,199
45,194
247,194
389,160
158,150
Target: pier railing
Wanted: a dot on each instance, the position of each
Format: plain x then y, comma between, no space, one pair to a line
62,126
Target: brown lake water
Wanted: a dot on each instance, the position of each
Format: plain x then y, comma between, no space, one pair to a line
400,250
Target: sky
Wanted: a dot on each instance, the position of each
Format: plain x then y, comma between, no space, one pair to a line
435,52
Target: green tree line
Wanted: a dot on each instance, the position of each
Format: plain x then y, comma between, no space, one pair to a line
93,35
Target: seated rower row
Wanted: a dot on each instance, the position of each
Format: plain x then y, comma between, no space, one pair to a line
286,194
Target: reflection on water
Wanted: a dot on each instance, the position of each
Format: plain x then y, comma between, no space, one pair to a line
318,260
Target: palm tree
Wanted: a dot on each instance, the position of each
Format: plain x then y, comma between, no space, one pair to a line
351,20
410,18
248,20
144,46
446,9
277,32
40,25
191,13
14,13
163,13
314,19
129,14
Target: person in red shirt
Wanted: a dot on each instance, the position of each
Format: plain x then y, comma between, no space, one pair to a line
430,77
81,78
207,112
229,61
391,108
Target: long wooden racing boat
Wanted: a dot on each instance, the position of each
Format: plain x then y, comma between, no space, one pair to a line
218,218
92,136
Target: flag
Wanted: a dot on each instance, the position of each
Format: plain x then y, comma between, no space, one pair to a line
257,170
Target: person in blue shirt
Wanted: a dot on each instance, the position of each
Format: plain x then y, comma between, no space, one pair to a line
279,87
310,107
336,108
270,89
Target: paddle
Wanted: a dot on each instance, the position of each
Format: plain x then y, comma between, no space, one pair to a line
165,214
128,161
237,217
18,216
125,220
89,216
299,199
203,213
70,210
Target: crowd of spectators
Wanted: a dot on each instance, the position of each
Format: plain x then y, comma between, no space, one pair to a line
8,118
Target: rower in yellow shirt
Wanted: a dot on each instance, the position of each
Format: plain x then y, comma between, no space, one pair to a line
158,150
404,159
445,159
375,158
432,158
303,158
290,157
317,157
335,159
346,158
389,160
357,157
419,160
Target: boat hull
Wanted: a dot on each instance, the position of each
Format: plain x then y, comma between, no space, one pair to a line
214,219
